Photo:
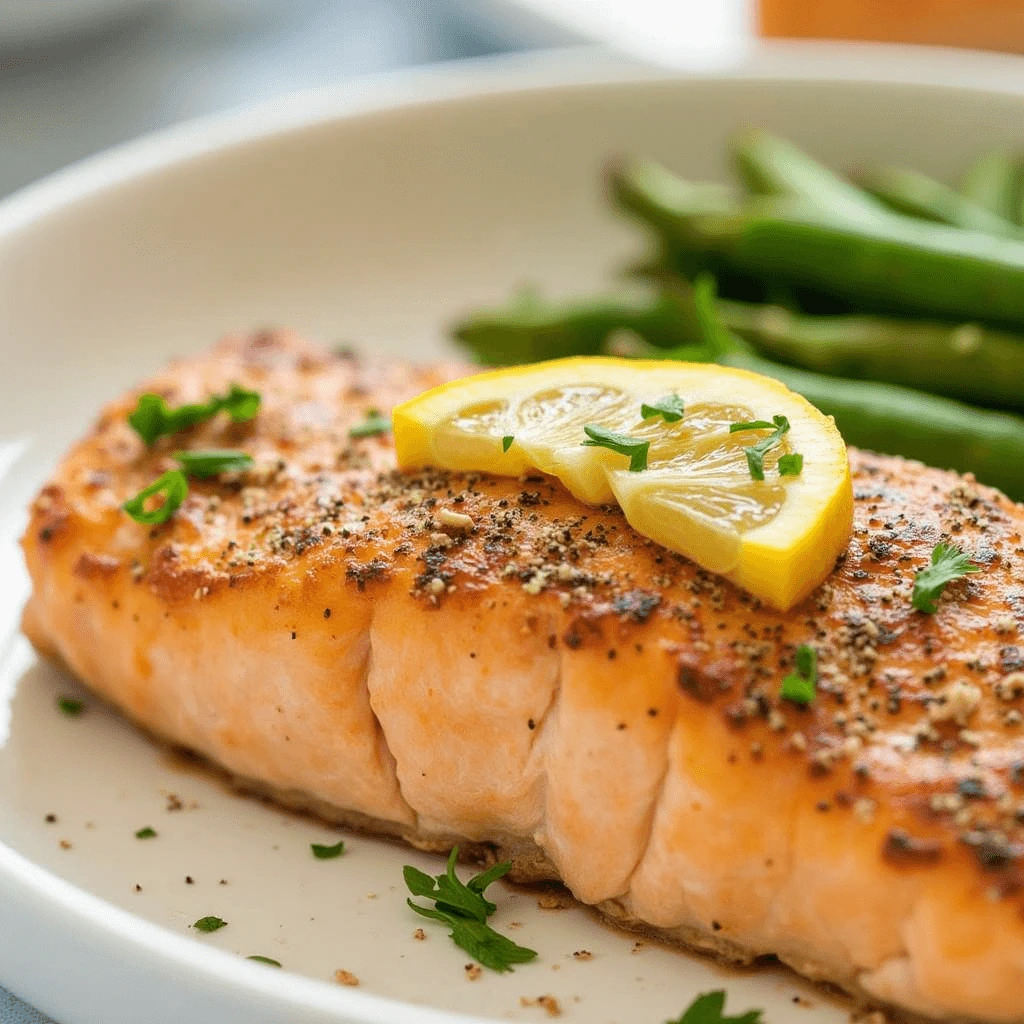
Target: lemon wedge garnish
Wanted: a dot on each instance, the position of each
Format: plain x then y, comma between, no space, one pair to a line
694,488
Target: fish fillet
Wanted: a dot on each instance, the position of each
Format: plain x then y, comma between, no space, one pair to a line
465,658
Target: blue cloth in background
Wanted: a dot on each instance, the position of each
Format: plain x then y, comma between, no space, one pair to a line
201,56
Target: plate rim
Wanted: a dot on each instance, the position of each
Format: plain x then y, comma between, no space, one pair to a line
579,67
572,67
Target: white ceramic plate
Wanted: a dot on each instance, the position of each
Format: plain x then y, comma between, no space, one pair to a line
371,214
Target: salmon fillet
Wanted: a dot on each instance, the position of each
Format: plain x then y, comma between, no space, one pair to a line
465,658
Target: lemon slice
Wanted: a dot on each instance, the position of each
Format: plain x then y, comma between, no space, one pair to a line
776,537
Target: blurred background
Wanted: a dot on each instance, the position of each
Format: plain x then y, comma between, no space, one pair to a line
77,76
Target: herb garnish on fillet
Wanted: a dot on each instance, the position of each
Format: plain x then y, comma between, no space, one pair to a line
203,464
153,418
173,485
374,424
948,563
800,686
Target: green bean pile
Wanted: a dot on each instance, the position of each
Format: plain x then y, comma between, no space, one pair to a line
891,301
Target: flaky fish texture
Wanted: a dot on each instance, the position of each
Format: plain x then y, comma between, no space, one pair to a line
457,658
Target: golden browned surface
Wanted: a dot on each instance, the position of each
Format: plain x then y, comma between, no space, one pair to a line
540,677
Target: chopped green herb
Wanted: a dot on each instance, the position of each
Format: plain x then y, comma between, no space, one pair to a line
451,893
622,444
709,1009
506,442
800,686
202,464
71,706
669,408
209,924
756,453
464,908
152,417
327,852
264,960
172,487
480,941
791,465
948,563
241,405
374,424
146,833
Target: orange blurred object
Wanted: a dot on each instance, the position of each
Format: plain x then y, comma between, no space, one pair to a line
975,24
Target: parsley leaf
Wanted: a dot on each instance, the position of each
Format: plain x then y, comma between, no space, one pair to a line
264,960
450,893
209,924
241,405
708,1009
791,465
373,424
669,408
172,487
621,444
948,563
327,852
210,462
756,453
506,442
464,909
478,883
146,833
152,417
800,686
71,706
479,940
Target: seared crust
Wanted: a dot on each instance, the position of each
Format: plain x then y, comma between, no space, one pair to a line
608,710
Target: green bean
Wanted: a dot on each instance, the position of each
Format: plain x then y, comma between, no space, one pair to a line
884,417
915,194
900,421
659,197
769,165
665,202
530,329
964,361
880,417
992,181
891,264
